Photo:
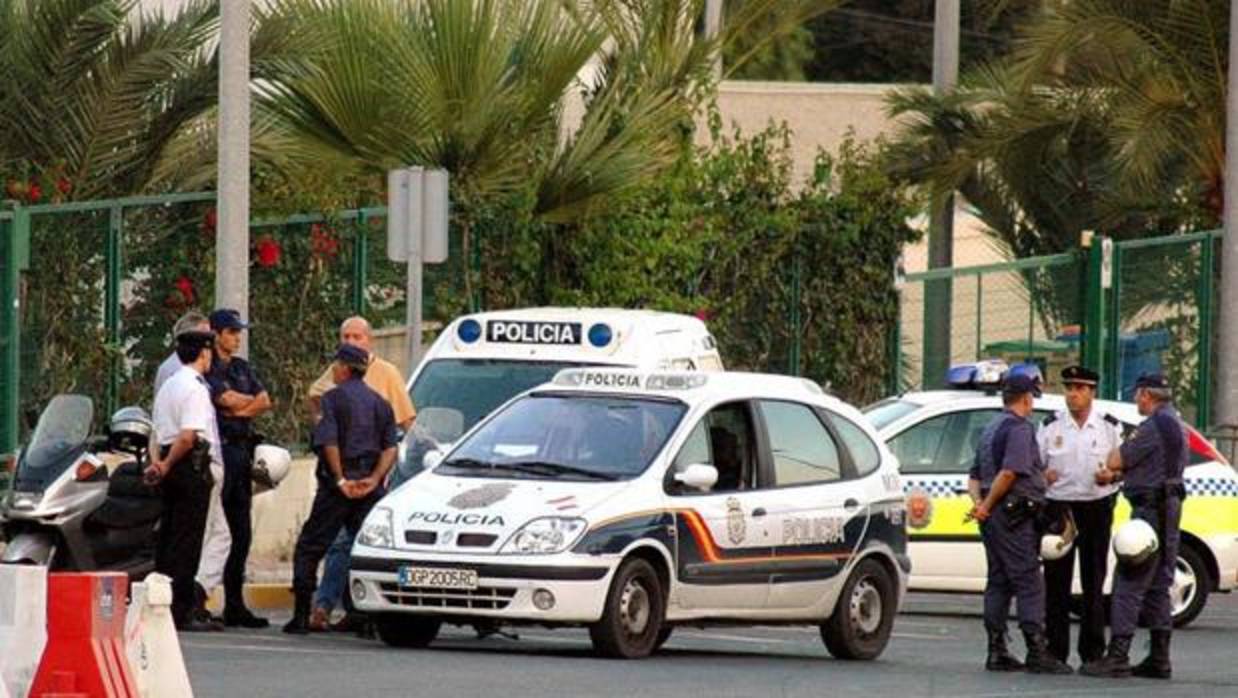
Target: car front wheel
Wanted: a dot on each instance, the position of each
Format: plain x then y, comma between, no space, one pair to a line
633,616
862,620
400,630
1189,590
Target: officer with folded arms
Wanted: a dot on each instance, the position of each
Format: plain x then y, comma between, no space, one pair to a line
1008,486
356,443
186,447
1074,442
1150,467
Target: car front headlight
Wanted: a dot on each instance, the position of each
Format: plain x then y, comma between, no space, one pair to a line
545,536
377,531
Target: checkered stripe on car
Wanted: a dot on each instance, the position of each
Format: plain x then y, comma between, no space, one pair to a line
935,487
1212,487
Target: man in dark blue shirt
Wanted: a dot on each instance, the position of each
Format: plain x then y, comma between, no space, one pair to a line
356,443
1150,466
1008,487
239,397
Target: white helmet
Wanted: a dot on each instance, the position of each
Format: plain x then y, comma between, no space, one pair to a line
1054,546
1135,542
271,465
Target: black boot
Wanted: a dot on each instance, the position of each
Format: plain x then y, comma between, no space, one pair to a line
238,616
299,625
1039,659
1156,665
1000,658
1116,662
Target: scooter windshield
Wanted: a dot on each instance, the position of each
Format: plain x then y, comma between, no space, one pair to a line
58,439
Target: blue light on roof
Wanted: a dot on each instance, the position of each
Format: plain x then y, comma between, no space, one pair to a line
600,335
469,331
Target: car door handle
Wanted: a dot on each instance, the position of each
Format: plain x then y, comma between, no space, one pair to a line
850,504
759,511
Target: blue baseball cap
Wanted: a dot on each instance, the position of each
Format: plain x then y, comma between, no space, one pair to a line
350,355
1021,384
227,319
1152,380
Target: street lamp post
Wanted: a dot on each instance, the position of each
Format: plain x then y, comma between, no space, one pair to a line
232,237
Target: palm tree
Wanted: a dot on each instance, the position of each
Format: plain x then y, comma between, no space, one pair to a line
98,90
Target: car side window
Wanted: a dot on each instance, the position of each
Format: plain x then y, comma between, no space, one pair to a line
864,453
724,438
803,449
943,444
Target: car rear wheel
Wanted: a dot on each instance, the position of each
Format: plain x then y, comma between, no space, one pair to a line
399,630
663,635
861,623
632,618
1189,591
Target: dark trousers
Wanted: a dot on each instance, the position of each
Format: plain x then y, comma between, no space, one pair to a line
1141,592
1094,520
1012,552
237,494
331,512
186,499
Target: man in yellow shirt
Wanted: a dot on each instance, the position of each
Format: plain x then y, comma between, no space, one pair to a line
384,378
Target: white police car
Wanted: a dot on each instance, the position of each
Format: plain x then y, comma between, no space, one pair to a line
934,434
629,502
482,360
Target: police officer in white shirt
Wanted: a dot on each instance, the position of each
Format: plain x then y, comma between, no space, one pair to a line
1073,444
189,322
188,446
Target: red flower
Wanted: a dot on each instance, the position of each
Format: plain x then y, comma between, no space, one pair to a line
185,285
64,186
704,315
268,253
323,243
210,219
35,193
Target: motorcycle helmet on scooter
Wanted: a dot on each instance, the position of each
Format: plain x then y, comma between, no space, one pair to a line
1135,542
129,431
271,465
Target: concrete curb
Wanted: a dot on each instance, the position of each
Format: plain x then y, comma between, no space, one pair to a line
268,597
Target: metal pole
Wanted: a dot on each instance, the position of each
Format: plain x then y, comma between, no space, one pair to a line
11,231
713,26
111,309
232,238
413,312
1226,397
1203,410
938,305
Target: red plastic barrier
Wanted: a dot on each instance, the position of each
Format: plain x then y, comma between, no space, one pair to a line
85,653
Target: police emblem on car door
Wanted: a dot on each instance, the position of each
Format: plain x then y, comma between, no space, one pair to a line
736,527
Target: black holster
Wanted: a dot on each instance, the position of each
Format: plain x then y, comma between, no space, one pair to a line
1019,509
198,460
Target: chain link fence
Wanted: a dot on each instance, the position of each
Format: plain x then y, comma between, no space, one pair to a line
1122,308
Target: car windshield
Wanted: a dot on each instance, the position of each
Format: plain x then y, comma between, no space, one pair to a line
575,437
884,413
473,388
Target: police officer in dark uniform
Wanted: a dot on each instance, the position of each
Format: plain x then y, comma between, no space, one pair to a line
1008,484
1150,467
356,443
239,397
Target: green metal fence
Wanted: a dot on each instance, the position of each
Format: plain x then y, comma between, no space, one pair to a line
1121,308
89,293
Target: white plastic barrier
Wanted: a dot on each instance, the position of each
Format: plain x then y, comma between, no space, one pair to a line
23,626
151,643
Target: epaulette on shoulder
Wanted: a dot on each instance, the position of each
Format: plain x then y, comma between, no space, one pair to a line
1113,420
1049,420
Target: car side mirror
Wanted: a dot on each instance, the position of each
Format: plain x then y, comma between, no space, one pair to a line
432,458
698,476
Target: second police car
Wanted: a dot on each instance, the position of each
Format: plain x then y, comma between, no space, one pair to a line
934,435
631,502
482,360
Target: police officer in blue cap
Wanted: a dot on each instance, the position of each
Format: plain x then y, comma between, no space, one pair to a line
1008,486
1150,467
356,444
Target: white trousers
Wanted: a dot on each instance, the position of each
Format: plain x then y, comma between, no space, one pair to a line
218,540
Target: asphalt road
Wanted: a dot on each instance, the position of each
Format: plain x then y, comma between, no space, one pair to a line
937,650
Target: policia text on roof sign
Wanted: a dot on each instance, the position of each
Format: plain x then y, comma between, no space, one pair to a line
516,332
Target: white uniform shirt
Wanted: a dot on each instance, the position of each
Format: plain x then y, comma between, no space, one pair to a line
184,402
167,369
1076,453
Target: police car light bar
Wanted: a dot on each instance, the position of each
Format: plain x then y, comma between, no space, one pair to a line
981,374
